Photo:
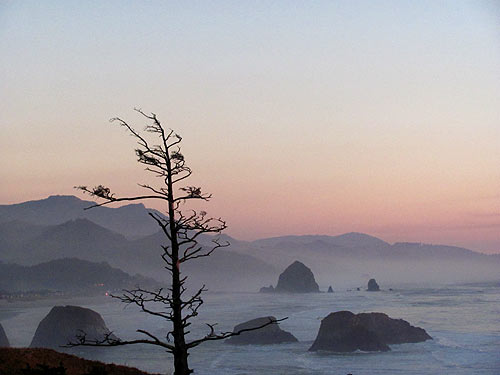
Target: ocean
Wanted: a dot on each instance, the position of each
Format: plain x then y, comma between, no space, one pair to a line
464,321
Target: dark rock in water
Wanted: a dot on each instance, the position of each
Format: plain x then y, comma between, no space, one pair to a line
357,289
344,331
339,332
4,341
271,334
392,331
373,286
64,323
267,289
297,278
330,289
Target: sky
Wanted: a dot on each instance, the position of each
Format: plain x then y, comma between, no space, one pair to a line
318,117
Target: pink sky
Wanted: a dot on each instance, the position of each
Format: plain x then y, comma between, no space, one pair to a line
311,119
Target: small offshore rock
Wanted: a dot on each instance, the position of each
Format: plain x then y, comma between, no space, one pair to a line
267,289
270,334
373,286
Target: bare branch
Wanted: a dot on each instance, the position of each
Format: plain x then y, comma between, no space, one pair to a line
105,193
224,335
182,230
107,340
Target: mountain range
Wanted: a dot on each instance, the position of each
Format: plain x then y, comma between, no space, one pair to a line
131,220
59,227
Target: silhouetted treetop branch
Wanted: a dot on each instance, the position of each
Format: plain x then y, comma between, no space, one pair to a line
182,229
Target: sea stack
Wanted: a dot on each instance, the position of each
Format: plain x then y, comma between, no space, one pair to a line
270,334
344,331
267,289
297,278
373,286
330,289
4,341
340,332
63,323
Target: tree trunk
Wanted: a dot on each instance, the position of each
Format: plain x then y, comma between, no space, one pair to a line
180,362
181,351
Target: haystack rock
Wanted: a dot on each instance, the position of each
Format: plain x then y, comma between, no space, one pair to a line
4,341
344,331
64,323
297,278
271,334
330,289
373,286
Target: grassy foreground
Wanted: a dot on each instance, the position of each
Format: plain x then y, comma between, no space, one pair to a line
38,361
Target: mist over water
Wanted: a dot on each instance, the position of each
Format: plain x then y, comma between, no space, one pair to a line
428,282
463,320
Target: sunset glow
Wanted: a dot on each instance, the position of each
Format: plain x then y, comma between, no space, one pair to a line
319,118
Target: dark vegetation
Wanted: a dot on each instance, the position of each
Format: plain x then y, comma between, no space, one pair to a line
22,361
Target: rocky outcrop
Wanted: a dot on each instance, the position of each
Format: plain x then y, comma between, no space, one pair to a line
344,331
267,289
64,323
330,289
271,334
297,278
392,331
373,286
340,333
4,341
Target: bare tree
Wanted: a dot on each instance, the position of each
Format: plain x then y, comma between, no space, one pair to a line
182,231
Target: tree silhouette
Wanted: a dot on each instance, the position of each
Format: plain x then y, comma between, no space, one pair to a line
182,230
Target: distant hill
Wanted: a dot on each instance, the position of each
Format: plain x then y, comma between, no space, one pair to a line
344,245
225,269
34,232
131,220
28,245
414,250
68,275
76,238
349,240
362,245
357,256
14,234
